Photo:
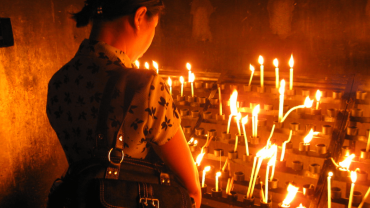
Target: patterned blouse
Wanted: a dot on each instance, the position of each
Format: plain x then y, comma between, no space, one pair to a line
75,93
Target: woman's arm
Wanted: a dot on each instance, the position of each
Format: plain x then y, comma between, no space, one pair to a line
177,156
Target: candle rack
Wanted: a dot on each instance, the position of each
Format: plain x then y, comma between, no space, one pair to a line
342,122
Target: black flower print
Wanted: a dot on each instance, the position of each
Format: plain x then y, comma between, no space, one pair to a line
59,112
94,112
166,123
147,131
54,100
94,68
175,110
77,65
89,85
163,102
76,132
125,145
69,114
96,97
67,98
65,68
116,93
151,112
115,122
109,62
66,135
152,87
57,84
131,110
66,79
103,56
89,134
81,100
118,62
135,123
82,116
76,148
78,79
162,86
111,109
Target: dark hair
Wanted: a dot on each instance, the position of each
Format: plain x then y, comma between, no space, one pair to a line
112,9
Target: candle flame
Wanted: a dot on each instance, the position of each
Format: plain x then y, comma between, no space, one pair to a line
330,174
188,66
218,174
146,65
353,176
182,80
256,110
282,87
267,153
137,63
233,98
344,165
207,168
308,102
245,120
309,137
192,77
251,68
169,81
292,191
191,140
155,65
318,95
238,116
199,158
195,142
291,61
260,60
276,63
301,206
272,161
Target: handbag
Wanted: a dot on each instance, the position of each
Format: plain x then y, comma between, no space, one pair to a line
109,179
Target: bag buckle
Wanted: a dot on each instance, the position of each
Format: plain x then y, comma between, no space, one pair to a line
122,157
144,201
165,179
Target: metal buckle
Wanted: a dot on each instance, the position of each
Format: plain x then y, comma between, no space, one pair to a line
165,179
155,202
122,157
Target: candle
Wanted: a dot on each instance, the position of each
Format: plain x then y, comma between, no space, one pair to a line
291,64
155,64
219,98
329,189
364,199
199,158
195,142
309,137
301,206
292,191
137,63
281,100
182,85
218,174
233,108
353,179
191,80
307,104
270,163
226,162
237,118
236,143
205,170
252,70
191,140
344,165
260,61
147,65
276,64
255,112
368,143
271,133
252,174
169,82
318,97
284,146
244,121
188,66
230,184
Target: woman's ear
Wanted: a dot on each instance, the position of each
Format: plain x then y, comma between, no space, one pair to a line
139,17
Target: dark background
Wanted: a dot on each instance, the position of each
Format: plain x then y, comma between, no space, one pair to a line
330,36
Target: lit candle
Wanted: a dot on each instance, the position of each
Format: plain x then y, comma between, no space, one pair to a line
192,78
255,112
233,108
276,64
309,137
307,104
195,142
292,191
155,64
329,189
199,158
224,167
252,174
244,121
260,61
237,118
353,179
191,140
368,143
270,163
364,199
218,174
318,97
169,82
273,166
284,146
252,70
301,206
291,64
188,66
205,170
137,63
182,85
281,100
147,65
219,98
344,165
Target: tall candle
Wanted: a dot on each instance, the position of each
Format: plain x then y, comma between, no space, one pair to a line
260,61
155,64
146,65
307,104
169,81
284,146
182,85
353,179
329,189
252,70
244,121
276,64
364,198
188,66
137,63
267,183
256,110
318,97
291,64
205,170
236,143
219,98
252,174
237,118
281,100
368,143
192,78
218,174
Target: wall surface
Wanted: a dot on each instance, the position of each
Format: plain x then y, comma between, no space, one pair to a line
214,35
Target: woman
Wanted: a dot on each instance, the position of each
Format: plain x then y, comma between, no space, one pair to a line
122,31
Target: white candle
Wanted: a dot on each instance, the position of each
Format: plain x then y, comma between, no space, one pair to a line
220,99
228,124
329,189
188,66
364,199
368,143
281,100
169,82
218,174
205,170
137,63
236,143
353,178
252,70
260,61
291,64
307,104
252,174
255,176
237,119
255,112
267,183
244,121
182,85
276,64
318,97
192,78
147,65
155,64
284,146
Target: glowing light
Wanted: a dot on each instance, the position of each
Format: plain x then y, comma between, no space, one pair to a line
146,65
344,165
245,120
318,95
155,65
195,142
276,63
353,176
260,60
292,191
206,169
309,137
191,140
137,64
291,61
188,66
218,174
233,101
308,102
199,158
192,77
